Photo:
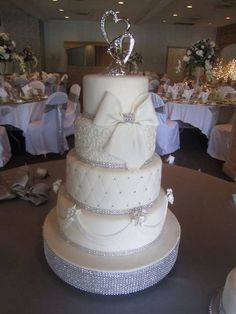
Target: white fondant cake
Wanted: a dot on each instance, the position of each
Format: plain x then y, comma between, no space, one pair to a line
112,204
108,234
107,189
229,293
125,88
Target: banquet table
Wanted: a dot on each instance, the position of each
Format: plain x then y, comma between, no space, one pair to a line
20,115
201,116
207,215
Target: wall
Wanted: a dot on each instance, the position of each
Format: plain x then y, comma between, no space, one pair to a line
22,27
152,41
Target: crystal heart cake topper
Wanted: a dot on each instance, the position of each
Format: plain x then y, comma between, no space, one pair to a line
116,49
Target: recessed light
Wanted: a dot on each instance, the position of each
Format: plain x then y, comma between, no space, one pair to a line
54,0
209,23
175,14
189,6
61,10
121,2
227,18
67,17
163,21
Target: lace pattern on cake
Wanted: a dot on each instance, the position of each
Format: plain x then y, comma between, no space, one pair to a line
90,140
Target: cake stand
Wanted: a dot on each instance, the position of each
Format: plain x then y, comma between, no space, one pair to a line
111,275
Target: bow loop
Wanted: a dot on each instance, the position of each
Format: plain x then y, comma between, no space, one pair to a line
127,142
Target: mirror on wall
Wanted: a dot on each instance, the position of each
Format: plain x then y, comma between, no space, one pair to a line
228,53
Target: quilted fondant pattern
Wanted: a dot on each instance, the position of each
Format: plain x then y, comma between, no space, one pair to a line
105,188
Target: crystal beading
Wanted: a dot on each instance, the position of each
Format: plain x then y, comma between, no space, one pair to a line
113,282
128,117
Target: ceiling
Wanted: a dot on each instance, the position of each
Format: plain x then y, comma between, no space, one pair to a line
210,13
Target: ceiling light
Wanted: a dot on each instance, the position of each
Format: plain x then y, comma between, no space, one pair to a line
227,18
189,6
163,21
209,23
175,14
67,17
61,10
54,0
121,2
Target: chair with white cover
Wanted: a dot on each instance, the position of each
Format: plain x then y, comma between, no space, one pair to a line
72,110
39,86
47,135
167,138
219,141
5,148
50,85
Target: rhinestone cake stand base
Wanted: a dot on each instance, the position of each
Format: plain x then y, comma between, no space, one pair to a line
111,275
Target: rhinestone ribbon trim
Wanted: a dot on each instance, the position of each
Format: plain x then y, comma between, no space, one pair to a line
106,211
110,283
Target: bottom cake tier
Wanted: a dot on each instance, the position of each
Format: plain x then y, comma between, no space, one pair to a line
111,275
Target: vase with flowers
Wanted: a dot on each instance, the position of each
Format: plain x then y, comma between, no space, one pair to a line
199,59
8,55
29,58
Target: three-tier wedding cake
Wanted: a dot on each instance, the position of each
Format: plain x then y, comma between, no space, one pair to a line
111,231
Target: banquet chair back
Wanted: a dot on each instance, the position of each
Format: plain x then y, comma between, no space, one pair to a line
5,148
167,138
39,86
219,141
21,82
47,135
50,85
73,109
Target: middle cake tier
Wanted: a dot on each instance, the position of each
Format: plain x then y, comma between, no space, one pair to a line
112,191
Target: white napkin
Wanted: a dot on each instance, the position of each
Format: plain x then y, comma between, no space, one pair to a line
26,90
3,94
173,90
187,94
204,96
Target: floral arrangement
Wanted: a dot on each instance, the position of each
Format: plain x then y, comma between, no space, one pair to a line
29,56
7,47
8,51
200,54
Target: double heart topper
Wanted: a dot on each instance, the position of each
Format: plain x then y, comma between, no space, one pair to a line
116,47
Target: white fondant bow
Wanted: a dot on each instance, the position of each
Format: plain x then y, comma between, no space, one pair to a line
127,141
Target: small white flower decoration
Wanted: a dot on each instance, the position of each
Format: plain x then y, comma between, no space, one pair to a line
170,196
138,217
56,185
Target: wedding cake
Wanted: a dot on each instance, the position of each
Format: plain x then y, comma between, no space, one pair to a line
111,231
229,293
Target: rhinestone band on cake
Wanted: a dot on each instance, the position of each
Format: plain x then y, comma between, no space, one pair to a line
89,275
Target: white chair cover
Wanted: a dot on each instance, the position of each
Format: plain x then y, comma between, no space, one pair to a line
167,138
20,82
50,85
39,86
219,141
72,110
5,148
46,136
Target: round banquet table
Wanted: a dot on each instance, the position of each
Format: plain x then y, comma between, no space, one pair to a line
207,215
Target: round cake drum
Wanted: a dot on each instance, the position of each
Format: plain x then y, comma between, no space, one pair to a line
111,275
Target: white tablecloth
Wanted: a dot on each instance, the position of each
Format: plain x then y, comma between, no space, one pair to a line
20,115
203,117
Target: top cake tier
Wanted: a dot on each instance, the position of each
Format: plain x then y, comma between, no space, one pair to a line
125,88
